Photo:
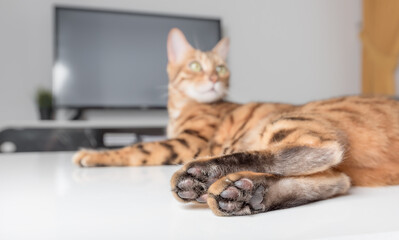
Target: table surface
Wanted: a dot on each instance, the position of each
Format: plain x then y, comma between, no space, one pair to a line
44,196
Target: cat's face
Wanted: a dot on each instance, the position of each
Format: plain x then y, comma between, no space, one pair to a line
201,76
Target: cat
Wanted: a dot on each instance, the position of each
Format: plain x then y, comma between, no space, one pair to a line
251,158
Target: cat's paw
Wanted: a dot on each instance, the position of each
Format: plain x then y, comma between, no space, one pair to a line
238,194
191,182
88,158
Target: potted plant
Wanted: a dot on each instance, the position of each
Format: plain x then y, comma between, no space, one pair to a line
44,100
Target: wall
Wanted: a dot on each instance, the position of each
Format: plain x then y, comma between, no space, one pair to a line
281,50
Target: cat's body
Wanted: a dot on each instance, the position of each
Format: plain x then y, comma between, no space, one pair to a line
367,128
257,157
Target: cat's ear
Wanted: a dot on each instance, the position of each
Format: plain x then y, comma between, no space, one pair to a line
177,46
222,48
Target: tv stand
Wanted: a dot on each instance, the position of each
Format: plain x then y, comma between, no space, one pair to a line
72,135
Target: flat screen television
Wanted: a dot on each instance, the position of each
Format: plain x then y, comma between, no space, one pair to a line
111,59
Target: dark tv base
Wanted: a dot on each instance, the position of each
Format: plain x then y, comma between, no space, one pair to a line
67,139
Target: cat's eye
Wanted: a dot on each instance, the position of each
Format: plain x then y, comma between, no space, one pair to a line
195,66
221,70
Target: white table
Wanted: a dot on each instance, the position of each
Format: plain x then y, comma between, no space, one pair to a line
44,196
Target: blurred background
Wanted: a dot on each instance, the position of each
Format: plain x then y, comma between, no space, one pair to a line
281,51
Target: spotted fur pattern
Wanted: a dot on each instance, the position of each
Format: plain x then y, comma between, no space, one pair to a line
249,158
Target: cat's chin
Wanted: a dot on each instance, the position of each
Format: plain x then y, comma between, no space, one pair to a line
206,97
207,93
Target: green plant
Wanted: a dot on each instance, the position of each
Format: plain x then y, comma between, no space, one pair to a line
44,98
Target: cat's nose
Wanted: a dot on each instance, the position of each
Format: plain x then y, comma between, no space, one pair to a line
213,78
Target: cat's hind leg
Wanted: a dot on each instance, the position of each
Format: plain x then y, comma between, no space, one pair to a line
292,147
191,182
246,193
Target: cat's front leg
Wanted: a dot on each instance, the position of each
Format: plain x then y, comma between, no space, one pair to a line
134,155
169,152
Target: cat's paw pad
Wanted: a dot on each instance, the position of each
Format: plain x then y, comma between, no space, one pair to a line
191,183
228,197
87,158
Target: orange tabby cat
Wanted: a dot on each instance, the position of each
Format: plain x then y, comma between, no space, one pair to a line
260,156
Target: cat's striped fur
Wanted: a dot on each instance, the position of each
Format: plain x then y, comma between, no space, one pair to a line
248,158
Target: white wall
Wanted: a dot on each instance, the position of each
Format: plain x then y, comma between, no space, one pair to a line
282,50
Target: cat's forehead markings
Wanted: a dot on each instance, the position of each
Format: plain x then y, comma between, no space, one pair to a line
216,59
198,55
203,56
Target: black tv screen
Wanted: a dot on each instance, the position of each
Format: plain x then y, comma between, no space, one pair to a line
108,59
